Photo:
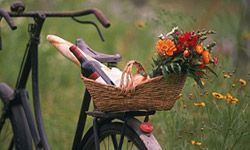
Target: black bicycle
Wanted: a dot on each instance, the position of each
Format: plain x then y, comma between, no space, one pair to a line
20,130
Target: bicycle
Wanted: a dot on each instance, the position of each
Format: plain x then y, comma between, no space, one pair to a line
28,131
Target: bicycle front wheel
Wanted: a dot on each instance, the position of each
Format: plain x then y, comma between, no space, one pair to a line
14,130
109,138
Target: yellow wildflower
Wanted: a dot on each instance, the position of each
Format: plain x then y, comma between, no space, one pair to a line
242,82
140,24
190,96
202,82
217,95
180,95
199,104
227,76
193,142
231,99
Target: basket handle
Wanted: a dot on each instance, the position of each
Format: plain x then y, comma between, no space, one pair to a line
127,78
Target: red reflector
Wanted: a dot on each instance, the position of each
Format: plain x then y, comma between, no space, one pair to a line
146,127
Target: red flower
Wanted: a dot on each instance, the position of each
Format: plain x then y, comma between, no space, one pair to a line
193,41
185,37
188,39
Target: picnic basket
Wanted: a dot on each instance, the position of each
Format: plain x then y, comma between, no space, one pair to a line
153,94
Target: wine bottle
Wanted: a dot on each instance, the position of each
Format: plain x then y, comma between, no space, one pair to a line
63,46
90,69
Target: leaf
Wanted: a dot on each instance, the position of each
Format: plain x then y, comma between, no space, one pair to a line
172,67
166,67
167,60
196,78
211,70
210,46
179,67
165,72
155,61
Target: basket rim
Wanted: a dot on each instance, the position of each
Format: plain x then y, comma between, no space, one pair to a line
141,84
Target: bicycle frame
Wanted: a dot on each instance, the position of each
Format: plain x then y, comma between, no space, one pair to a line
30,65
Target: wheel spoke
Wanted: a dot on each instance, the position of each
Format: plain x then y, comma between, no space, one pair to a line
108,143
114,141
132,146
127,144
11,144
121,143
115,136
104,143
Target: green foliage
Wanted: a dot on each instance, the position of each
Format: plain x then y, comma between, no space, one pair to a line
217,124
185,58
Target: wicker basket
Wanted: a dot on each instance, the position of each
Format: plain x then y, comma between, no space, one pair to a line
153,94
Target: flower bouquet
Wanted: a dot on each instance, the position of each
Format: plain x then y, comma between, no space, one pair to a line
183,53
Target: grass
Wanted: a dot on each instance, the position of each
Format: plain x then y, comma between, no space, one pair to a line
218,125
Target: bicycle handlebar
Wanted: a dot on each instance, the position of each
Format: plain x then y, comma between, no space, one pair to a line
8,19
98,14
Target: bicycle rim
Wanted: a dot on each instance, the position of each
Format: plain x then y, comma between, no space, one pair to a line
109,138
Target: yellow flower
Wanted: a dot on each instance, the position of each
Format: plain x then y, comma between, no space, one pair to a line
165,47
217,95
242,82
199,104
180,95
193,142
231,99
140,24
202,82
227,76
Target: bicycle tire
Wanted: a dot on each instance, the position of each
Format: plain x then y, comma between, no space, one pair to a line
19,125
108,130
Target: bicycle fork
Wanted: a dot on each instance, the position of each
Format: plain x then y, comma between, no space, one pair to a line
22,94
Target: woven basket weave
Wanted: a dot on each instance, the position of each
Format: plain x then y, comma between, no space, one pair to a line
153,94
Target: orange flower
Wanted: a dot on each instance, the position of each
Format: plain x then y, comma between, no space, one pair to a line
205,55
199,49
165,47
193,142
242,82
